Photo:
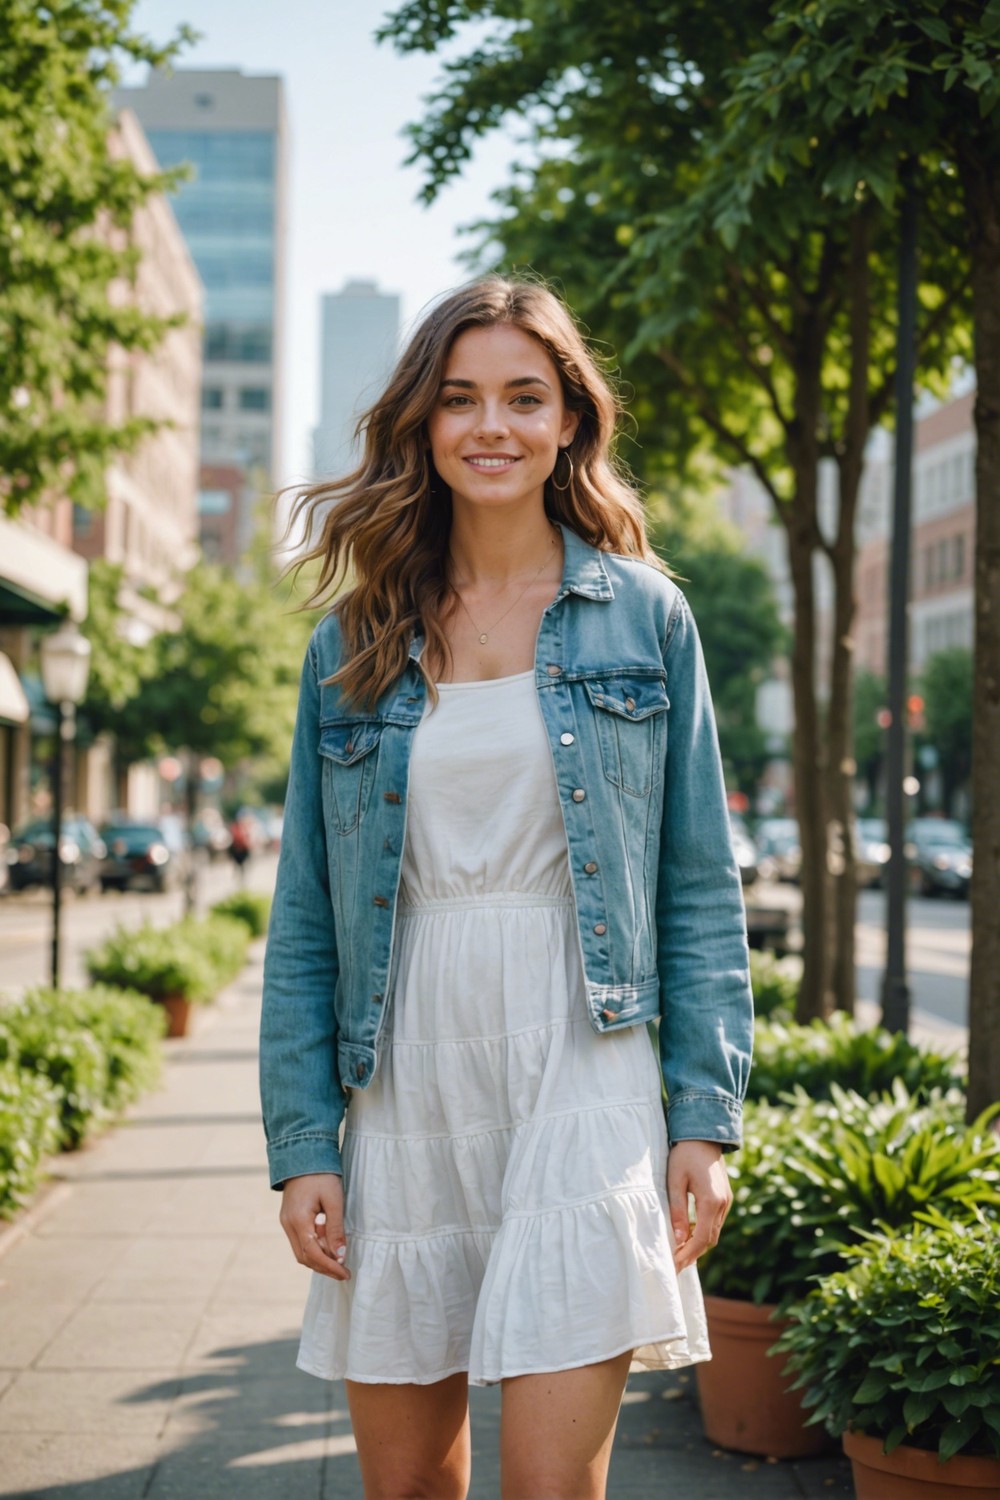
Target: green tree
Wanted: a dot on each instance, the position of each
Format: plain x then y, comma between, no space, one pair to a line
733,601
947,685
756,310
61,192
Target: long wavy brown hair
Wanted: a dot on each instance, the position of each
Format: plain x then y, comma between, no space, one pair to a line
387,523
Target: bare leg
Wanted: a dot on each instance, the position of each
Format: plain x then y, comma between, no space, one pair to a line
413,1440
556,1431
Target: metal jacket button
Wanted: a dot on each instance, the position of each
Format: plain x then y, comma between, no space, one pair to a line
579,794
590,868
376,999
600,928
380,901
630,704
392,796
361,1070
553,670
567,738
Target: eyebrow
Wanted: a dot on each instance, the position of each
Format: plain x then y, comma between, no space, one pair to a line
470,385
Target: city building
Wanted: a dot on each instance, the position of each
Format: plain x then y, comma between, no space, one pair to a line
942,541
149,524
360,339
231,128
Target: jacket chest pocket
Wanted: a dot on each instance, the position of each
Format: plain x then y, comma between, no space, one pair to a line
349,753
631,718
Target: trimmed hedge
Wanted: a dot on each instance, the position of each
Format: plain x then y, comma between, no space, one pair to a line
29,1131
98,1049
775,984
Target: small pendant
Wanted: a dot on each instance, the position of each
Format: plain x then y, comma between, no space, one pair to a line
482,640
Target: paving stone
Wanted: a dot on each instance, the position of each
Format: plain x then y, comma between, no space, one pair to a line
171,1269
239,1466
123,1336
28,1324
131,1404
76,1468
36,1267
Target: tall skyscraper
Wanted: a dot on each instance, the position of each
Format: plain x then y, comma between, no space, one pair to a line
360,331
232,129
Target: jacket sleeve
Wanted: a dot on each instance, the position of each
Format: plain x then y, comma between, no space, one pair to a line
706,1005
302,1099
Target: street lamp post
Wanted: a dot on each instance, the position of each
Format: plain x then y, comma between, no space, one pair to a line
65,665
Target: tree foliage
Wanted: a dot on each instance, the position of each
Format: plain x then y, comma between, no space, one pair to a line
61,191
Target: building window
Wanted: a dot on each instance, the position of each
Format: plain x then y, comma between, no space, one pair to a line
211,397
214,502
246,342
958,556
255,398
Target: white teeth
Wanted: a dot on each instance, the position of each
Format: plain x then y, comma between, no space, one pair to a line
490,463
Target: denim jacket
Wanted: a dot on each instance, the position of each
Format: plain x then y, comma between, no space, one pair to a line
625,700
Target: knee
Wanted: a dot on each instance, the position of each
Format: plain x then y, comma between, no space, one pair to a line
432,1486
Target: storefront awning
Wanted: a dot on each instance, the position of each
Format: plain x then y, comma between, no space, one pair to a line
39,579
14,707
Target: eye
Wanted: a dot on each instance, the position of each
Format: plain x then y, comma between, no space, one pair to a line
455,400
527,397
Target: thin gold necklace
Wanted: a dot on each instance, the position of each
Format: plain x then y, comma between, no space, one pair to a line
484,635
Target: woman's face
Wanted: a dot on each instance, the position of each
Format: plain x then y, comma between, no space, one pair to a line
499,419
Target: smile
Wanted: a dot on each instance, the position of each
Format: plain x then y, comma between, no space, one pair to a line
491,463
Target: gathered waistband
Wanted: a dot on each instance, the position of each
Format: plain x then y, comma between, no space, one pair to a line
488,899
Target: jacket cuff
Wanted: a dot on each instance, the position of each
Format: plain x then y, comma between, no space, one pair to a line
298,1155
705,1117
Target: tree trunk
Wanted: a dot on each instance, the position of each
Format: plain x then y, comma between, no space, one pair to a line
808,762
842,864
981,182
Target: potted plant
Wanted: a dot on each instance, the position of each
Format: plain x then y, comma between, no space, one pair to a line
810,1179
159,963
899,1353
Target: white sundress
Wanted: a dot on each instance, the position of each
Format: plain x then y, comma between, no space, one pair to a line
505,1169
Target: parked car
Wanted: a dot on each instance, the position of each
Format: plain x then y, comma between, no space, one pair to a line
29,854
744,849
940,856
872,846
142,853
779,852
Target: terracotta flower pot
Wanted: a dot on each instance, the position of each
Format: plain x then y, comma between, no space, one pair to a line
178,1009
915,1474
743,1391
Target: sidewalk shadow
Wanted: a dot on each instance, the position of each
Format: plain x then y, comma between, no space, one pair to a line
249,1426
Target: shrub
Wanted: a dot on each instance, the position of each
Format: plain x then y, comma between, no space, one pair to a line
127,1028
251,907
775,984
840,1051
153,960
29,1130
98,1048
903,1343
222,940
815,1175
48,1043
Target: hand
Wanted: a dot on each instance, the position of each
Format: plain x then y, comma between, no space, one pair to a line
698,1168
312,1216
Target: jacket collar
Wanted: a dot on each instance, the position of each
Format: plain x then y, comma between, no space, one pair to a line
584,573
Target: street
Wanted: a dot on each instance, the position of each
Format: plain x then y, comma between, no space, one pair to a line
26,920
938,947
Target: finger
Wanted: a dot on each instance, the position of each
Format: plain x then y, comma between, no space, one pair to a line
680,1216
330,1233
318,1257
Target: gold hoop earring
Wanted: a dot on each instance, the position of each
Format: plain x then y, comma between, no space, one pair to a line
563,487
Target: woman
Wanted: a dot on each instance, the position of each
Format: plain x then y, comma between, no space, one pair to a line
506,848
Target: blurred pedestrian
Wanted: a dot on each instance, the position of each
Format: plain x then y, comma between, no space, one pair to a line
240,845
506,850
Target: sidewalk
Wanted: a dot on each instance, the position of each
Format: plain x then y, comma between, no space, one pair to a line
149,1310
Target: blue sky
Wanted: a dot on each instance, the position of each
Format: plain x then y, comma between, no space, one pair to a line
353,209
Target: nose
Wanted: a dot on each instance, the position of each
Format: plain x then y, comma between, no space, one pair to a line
492,421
